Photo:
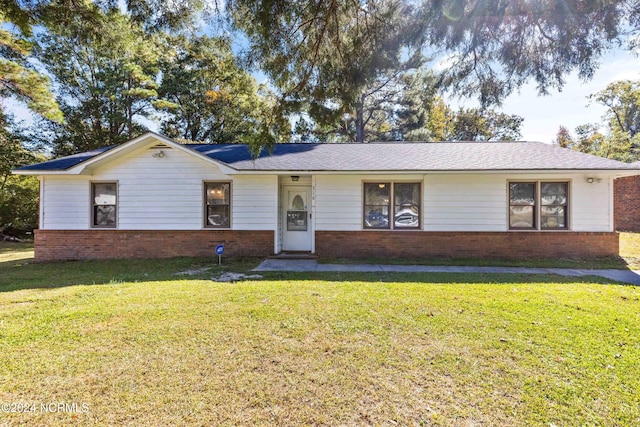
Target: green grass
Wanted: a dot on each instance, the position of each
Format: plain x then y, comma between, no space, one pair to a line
139,345
13,252
332,352
630,249
31,275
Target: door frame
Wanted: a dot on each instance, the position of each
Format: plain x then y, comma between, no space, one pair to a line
286,182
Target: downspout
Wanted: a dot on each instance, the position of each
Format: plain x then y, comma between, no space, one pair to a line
313,214
41,179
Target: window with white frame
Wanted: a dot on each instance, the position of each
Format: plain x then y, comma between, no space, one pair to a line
389,205
538,205
217,204
104,212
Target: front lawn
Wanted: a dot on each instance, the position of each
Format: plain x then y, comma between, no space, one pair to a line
630,249
131,343
15,252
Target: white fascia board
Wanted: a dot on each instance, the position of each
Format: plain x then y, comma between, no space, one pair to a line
38,172
616,172
622,174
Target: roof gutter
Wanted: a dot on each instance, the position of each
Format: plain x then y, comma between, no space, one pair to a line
617,172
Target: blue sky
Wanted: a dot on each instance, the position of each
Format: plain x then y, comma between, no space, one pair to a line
543,115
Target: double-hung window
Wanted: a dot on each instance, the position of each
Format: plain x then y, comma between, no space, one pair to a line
538,205
217,204
553,205
104,197
389,205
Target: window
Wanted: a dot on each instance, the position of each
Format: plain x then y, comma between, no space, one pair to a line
217,209
522,205
104,196
406,207
538,205
377,198
553,205
382,198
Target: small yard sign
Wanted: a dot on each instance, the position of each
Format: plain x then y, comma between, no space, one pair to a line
219,252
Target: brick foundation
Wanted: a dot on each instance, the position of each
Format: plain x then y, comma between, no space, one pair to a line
416,244
97,244
627,203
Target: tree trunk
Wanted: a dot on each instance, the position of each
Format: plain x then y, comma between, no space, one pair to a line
360,120
129,104
129,119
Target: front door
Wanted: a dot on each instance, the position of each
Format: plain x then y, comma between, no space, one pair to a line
296,218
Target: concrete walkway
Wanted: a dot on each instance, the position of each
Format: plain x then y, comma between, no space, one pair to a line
625,276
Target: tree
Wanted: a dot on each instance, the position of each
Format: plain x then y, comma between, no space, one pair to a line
394,112
439,126
341,61
564,138
407,111
470,124
211,98
496,46
18,194
157,15
621,141
105,70
18,78
590,140
622,99
331,53
474,124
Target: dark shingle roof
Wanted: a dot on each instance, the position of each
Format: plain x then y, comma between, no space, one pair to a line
442,156
64,163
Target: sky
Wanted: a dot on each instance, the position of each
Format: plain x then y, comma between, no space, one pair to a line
543,115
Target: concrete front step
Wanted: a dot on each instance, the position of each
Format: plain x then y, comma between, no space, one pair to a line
294,255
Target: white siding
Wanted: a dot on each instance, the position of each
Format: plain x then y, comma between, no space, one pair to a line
592,205
65,203
160,194
465,203
338,202
462,202
255,202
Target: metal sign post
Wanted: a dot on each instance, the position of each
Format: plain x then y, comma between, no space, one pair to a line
219,252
